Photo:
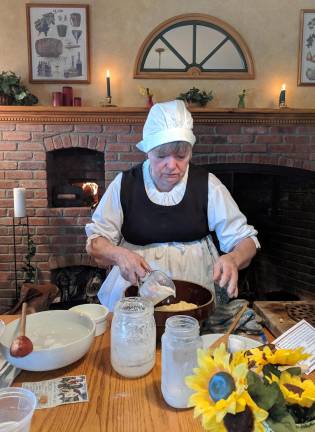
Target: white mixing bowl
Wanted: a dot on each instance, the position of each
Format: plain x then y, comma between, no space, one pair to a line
60,337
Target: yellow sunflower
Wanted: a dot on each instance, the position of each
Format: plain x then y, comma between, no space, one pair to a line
295,390
220,392
259,357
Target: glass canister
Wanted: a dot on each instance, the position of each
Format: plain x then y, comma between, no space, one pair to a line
180,342
133,337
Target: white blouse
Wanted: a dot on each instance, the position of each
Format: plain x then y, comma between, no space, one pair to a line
190,261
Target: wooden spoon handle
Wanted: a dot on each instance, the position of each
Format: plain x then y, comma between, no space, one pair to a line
23,319
236,320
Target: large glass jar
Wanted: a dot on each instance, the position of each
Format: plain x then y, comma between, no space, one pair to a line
179,356
133,337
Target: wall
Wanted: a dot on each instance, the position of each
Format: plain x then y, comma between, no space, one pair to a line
117,29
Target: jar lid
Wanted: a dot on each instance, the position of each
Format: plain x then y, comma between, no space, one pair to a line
134,307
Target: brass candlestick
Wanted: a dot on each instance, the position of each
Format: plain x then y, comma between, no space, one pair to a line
107,102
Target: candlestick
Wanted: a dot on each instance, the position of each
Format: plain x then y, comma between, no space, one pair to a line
108,84
19,202
282,103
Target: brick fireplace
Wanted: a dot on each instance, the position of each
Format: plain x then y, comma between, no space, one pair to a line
29,136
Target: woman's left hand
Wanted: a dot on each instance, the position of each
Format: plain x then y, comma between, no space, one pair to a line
225,272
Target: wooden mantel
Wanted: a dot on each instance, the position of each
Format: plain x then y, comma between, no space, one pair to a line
137,115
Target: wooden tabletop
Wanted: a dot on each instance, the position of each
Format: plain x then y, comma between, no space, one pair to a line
116,404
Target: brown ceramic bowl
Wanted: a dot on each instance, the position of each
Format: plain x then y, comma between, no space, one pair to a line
189,292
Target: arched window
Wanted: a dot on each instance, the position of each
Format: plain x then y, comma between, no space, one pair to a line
194,46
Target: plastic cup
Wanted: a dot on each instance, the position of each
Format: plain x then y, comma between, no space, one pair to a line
17,406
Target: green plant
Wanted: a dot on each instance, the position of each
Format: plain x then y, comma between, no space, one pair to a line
196,96
30,272
15,93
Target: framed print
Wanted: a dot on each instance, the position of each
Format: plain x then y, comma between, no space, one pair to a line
306,67
58,43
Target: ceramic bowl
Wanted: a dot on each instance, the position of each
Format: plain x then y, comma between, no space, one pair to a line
97,313
59,337
189,292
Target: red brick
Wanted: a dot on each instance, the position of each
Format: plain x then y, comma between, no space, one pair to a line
66,140
255,148
83,141
257,130
306,130
16,136
116,166
8,165
58,144
18,156
74,139
212,139
30,146
117,148
92,142
30,127
19,174
301,139
32,165
136,129
88,128
58,128
101,144
203,148
226,148
39,156
39,221
40,175
37,203
8,184
268,139
283,130
132,157
280,148
228,129
129,138
34,184
49,144
54,212
240,139
77,211
203,130
5,221
117,129
8,145
7,127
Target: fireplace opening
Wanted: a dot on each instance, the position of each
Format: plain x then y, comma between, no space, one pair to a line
280,203
75,177
77,284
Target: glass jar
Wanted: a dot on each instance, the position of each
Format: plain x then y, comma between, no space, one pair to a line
179,356
133,337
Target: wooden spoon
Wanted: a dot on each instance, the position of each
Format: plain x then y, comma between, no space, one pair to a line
225,338
22,345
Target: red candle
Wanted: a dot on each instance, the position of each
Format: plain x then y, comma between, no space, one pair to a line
67,96
77,101
57,98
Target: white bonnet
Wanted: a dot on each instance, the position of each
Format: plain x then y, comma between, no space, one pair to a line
167,122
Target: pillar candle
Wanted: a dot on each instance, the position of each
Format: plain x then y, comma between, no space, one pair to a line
19,202
282,96
108,84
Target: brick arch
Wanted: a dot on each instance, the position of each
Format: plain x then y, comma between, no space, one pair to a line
69,140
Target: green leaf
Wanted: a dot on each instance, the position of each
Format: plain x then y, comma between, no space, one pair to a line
286,425
265,395
294,371
269,369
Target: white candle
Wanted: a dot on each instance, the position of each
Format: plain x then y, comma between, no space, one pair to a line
19,202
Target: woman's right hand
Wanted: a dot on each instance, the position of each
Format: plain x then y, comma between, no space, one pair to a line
131,265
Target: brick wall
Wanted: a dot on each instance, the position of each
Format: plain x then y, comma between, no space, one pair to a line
59,232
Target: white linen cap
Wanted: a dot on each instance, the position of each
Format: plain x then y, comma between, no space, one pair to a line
167,122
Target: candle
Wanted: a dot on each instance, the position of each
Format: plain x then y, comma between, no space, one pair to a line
19,202
282,97
108,84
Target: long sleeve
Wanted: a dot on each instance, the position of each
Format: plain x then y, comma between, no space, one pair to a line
225,218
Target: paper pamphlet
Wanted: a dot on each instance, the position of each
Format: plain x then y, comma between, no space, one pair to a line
301,334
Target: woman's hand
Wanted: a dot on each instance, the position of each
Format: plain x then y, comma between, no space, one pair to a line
132,265
225,272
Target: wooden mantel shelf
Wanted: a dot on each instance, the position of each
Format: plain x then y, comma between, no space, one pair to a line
137,115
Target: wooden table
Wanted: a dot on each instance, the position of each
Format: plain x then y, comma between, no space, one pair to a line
116,404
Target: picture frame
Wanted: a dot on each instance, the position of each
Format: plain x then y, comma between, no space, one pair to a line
306,62
58,43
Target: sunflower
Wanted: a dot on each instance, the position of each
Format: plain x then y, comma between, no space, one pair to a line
269,354
220,394
295,390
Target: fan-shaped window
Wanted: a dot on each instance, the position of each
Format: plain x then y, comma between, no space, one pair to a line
194,46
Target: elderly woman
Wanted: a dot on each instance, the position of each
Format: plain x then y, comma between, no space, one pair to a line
159,215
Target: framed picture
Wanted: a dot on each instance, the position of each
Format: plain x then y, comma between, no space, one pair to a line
306,69
58,43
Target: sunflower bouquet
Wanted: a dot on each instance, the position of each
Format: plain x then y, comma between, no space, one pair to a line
252,391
